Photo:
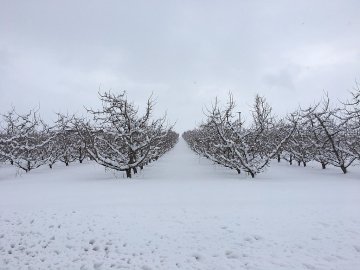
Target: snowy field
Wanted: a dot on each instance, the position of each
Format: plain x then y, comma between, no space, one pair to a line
181,212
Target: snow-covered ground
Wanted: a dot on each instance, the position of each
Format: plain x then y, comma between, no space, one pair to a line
181,212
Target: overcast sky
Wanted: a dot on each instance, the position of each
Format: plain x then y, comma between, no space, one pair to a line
58,53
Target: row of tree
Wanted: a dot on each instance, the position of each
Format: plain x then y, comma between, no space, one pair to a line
117,136
322,133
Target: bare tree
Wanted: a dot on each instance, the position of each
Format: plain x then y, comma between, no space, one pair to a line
66,139
298,145
224,139
351,117
25,140
118,137
335,133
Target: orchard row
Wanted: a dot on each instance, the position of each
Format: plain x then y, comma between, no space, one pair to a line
117,136
323,133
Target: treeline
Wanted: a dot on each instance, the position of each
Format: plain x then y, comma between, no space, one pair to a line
117,136
322,133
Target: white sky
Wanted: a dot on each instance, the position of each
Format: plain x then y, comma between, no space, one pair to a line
58,53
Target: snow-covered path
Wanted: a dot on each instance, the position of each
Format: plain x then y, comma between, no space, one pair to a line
181,164
181,212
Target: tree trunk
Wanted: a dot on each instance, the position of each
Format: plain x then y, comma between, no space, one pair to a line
128,173
135,170
50,165
290,160
67,163
252,174
141,167
343,168
304,163
238,171
80,155
278,158
323,165
299,162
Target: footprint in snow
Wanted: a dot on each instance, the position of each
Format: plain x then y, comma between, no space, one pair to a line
248,239
108,243
231,255
309,266
197,257
257,237
324,224
98,265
